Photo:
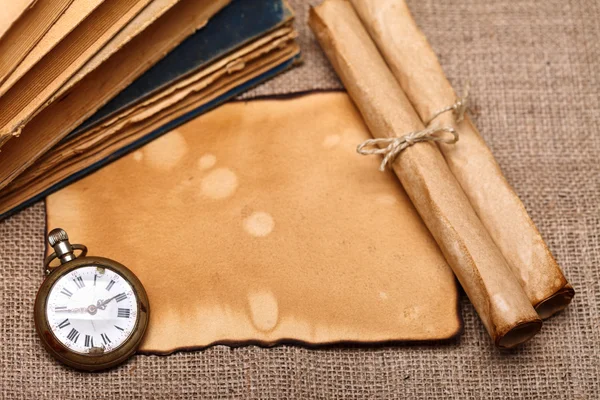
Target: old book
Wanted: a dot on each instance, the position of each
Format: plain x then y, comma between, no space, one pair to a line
258,223
60,117
479,265
22,101
211,66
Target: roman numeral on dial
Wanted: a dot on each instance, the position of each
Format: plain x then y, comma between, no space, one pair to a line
123,313
79,282
73,335
119,328
59,308
110,285
89,341
121,297
66,292
105,338
64,323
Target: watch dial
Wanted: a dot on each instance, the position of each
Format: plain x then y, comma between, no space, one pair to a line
92,310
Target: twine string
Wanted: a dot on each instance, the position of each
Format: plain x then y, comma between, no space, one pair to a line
459,108
391,147
395,145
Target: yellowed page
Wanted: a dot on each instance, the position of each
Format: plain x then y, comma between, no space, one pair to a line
11,12
257,223
26,32
77,11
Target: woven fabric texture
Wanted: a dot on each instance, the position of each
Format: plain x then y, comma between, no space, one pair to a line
533,68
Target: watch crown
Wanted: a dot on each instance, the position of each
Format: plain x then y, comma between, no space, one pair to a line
59,240
57,235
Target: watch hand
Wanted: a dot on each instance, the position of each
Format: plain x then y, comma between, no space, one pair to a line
73,310
102,303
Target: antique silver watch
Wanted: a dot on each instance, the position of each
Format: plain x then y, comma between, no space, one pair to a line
91,312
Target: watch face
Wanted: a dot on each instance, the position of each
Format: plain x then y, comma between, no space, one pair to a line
92,310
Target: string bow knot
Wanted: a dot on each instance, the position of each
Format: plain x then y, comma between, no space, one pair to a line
391,147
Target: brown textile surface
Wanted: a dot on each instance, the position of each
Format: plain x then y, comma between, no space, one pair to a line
535,78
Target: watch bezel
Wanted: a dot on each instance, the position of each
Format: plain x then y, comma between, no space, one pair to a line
91,362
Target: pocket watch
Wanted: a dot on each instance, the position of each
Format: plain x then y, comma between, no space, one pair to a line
91,313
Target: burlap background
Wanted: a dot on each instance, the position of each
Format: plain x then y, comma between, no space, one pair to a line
535,77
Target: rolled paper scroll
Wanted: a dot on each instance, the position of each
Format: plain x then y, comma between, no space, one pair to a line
477,262
420,75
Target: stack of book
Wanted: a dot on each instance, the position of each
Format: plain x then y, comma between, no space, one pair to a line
83,82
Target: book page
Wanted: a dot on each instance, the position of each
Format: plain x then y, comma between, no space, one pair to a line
12,11
73,15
